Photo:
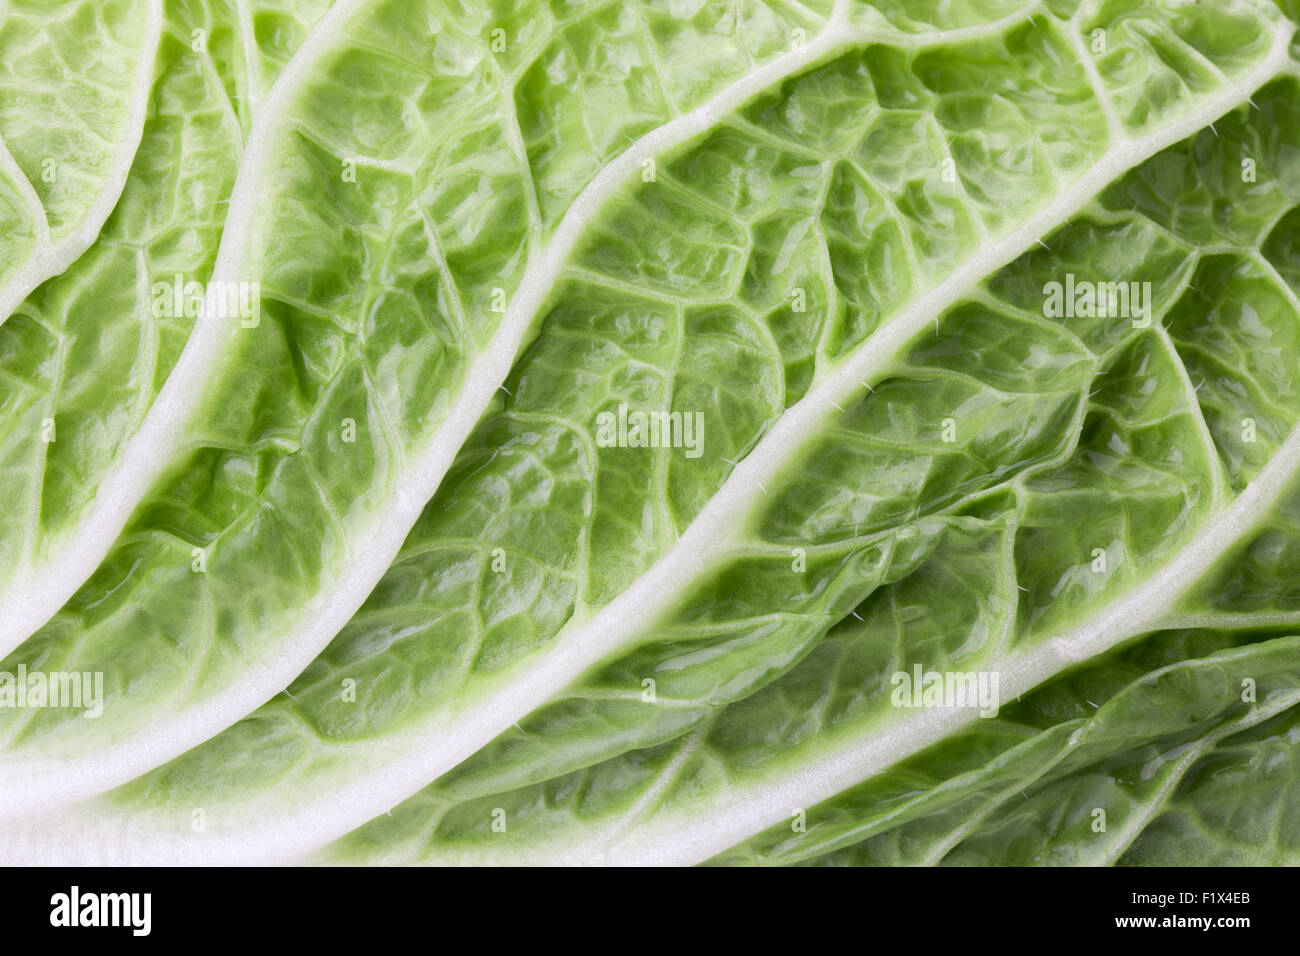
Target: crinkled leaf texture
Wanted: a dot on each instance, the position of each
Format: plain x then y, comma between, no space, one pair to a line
74,87
370,580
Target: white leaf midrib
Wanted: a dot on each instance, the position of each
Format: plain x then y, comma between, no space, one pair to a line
32,783
39,783
36,592
56,256
618,625
746,811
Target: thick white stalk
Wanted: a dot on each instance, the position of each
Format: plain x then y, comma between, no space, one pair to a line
428,751
36,592
32,783
741,811
56,256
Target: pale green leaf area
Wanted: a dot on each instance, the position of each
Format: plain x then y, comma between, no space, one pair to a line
967,531
74,86
84,357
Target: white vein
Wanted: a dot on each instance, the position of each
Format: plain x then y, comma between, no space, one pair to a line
742,811
38,590
34,783
426,752
52,258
